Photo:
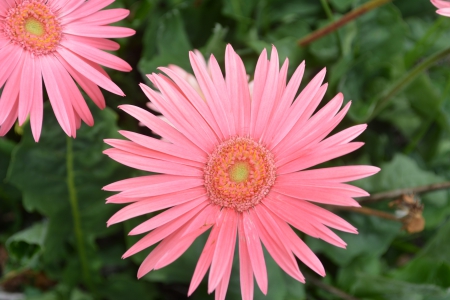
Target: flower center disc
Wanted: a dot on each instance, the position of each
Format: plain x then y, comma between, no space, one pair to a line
32,25
239,174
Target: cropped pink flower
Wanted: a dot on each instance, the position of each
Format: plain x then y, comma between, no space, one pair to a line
57,41
239,165
443,7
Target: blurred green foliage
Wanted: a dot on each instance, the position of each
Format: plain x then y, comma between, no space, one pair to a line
409,140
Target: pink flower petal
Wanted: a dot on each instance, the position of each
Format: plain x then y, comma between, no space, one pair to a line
225,248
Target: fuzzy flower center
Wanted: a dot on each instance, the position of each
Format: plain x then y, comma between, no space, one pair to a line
32,25
239,173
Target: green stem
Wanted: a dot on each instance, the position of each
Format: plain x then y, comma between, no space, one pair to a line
76,213
405,81
418,137
329,13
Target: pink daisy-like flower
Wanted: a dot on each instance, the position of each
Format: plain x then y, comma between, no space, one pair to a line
238,165
443,7
57,41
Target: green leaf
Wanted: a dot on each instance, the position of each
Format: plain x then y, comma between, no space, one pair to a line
370,287
39,171
172,45
432,263
26,245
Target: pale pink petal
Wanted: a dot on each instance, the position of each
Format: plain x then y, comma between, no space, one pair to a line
269,94
37,107
310,133
225,248
259,83
10,119
30,77
344,136
444,11
206,257
320,214
94,75
11,55
183,183
71,91
100,43
163,129
152,165
139,150
163,231
63,110
215,116
98,56
255,249
284,103
194,229
237,85
98,31
105,17
294,243
312,158
171,242
70,6
319,194
245,265
88,8
161,146
91,89
167,216
300,107
287,213
274,245
181,125
3,41
221,290
333,174
440,3
10,93
179,103
224,102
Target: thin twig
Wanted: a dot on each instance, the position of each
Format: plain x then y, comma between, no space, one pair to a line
415,190
331,289
342,21
370,212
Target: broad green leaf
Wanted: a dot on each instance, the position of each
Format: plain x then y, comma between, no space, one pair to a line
370,287
432,264
172,43
39,171
24,246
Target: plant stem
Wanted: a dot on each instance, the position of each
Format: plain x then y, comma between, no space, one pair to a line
330,289
329,13
414,190
370,212
342,21
76,213
406,80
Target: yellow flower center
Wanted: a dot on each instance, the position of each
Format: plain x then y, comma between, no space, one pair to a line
239,174
35,27
32,25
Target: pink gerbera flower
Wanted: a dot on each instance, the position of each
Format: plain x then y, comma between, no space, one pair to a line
58,41
443,7
237,164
